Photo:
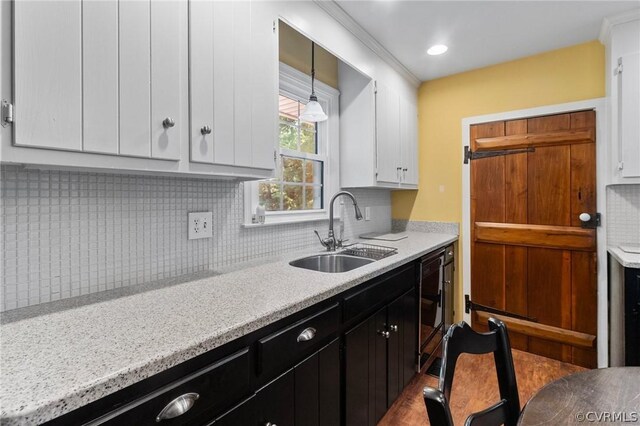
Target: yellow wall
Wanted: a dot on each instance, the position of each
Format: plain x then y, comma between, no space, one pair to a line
295,51
570,74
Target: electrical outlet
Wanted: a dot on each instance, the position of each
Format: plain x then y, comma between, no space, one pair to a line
200,225
367,213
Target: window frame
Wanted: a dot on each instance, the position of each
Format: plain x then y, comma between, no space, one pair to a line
297,85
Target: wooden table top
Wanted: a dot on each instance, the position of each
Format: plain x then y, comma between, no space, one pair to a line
594,396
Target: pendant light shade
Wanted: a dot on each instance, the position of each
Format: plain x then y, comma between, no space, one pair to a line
313,110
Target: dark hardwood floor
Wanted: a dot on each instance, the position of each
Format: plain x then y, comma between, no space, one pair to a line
475,387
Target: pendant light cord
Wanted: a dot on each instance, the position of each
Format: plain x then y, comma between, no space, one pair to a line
313,67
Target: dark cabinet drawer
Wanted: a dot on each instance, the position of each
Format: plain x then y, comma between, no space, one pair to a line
448,254
363,301
217,386
280,350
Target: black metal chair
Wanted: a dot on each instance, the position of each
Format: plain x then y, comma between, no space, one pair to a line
462,339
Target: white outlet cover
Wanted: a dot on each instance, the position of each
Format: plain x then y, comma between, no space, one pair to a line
200,225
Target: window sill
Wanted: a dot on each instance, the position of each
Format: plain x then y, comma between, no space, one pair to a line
286,222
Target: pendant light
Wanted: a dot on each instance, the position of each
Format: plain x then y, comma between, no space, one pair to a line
313,110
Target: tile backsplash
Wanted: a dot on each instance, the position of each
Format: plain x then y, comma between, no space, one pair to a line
66,234
623,214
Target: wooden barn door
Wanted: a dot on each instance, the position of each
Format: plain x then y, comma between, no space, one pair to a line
533,264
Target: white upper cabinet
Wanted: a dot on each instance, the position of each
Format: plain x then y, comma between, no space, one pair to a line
623,89
233,83
48,74
388,156
100,77
409,142
629,115
378,134
122,84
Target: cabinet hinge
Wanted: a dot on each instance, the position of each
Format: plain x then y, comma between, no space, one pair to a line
375,87
274,27
7,113
618,69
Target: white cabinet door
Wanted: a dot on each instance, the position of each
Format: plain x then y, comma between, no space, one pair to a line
100,76
629,115
135,76
48,74
201,77
168,53
264,120
234,83
409,142
387,135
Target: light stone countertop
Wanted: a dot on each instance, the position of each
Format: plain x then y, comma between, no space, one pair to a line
58,360
628,260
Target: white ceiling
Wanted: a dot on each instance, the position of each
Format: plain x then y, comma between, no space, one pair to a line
478,33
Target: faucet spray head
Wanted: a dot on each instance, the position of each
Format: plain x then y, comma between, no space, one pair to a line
358,212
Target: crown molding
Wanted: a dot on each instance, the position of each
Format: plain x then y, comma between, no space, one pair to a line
611,21
339,14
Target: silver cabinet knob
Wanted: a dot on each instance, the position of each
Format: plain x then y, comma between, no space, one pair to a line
178,406
307,334
270,424
404,170
393,328
384,334
447,282
168,123
585,217
205,130
450,253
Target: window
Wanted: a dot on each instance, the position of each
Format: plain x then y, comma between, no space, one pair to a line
306,156
298,184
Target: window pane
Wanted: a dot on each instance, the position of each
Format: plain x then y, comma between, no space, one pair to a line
288,136
293,197
291,169
308,137
313,172
289,107
313,197
270,195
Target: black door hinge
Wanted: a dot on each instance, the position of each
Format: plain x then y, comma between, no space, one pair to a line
471,155
471,306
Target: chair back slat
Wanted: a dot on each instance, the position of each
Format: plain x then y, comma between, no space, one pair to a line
461,338
492,416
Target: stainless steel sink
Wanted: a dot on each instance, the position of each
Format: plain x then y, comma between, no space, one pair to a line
331,262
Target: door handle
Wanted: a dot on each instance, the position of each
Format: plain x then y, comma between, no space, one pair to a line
589,221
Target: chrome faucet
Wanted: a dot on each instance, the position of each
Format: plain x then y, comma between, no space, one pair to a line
331,243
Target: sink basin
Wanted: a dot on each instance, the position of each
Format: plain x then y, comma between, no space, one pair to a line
331,262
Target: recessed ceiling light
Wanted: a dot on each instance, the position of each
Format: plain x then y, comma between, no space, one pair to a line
437,49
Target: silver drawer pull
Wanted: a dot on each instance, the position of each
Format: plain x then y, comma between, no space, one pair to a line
178,406
307,334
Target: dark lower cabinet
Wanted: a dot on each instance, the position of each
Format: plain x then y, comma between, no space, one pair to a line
380,359
287,374
241,415
632,316
306,395
317,388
